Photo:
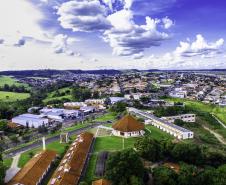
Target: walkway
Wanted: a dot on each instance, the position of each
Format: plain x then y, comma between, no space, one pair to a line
220,122
12,171
218,136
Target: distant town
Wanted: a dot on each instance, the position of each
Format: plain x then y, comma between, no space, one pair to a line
113,127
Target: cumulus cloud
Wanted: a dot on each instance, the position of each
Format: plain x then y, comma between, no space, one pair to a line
168,23
61,44
199,47
128,39
83,15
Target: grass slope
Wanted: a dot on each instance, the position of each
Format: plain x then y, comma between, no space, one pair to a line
10,81
12,96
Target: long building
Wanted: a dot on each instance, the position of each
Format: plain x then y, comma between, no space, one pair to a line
184,117
35,170
70,169
172,129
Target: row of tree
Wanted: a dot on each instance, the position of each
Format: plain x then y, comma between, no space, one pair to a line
154,150
15,88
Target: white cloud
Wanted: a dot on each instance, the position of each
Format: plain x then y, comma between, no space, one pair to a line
199,47
127,38
20,17
168,23
83,15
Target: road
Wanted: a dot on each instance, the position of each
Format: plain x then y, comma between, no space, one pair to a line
48,140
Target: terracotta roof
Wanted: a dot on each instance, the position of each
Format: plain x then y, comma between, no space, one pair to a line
32,172
128,124
71,166
101,182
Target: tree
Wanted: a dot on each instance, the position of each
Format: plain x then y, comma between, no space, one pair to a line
189,153
3,125
179,122
164,176
219,178
135,181
119,107
206,176
187,174
149,148
121,166
2,172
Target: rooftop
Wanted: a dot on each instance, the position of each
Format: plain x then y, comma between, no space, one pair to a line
128,124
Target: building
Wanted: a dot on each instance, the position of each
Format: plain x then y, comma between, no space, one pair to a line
74,105
172,129
59,114
101,182
178,93
30,120
114,100
35,170
184,117
71,167
128,126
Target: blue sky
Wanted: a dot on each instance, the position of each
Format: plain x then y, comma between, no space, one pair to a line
112,34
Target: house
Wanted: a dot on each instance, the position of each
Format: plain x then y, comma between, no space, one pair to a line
101,182
128,126
184,117
74,105
35,170
70,169
30,120
114,100
178,93
88,109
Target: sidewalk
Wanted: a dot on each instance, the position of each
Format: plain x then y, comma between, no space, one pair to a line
12,171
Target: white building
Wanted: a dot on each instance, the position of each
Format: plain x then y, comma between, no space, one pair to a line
74,104
114,100
172,129
30,120
184,117
128,126
95,101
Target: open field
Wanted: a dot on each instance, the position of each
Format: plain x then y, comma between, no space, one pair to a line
12,96
56,146
110,116
10,81
53,96
157,133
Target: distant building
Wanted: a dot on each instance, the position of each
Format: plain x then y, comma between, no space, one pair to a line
128,126
178,93
35,170
74,105
30,120
114,100
184,117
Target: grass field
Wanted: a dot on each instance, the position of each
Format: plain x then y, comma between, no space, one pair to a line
55,146
10,81
51,96
110,116
12,96
7,162
157,133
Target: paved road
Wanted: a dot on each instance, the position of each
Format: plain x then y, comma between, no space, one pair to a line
48,140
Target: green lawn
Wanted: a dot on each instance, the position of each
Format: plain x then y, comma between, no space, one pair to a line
112,143
12,96
52,95
90,171
110,116
8,162
10,81
56,146
156,133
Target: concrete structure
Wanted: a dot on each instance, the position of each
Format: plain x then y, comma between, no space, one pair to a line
184,117
128,126
172,129
30,120
35,170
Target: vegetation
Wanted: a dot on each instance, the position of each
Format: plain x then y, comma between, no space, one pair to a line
10,81
13,96
125,162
